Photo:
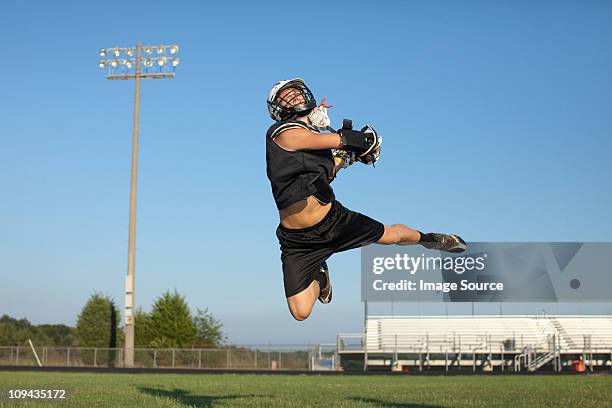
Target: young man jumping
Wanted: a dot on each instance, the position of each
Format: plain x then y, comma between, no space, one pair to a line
301,164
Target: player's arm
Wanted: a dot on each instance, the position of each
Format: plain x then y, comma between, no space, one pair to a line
304,139
346,139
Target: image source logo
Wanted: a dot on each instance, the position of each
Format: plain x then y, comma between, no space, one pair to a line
412,264
489,272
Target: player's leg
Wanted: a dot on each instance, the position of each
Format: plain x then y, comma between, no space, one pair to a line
303,255
355,229
402,235
399,234
301,304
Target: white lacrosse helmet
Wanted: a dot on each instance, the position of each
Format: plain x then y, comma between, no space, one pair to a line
282,107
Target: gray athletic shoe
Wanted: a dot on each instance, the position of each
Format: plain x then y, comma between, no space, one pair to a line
446,242
325,294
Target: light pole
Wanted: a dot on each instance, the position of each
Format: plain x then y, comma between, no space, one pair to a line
160,61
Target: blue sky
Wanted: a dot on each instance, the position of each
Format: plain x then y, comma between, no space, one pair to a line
495,118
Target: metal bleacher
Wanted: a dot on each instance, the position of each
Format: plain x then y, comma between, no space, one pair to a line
488,342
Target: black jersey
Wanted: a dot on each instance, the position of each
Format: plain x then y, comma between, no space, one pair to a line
296,175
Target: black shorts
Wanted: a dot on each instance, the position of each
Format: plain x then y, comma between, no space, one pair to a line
304,250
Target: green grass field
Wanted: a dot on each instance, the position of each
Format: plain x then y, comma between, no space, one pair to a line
250,390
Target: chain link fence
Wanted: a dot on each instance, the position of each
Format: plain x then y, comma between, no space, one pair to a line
258,357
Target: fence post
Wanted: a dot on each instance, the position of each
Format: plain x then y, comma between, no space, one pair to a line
279,359
68,357
95,356
155,358
337,363
554,347
490,354
460,355
200,358
337,352
17,356
446,361
256,359
529,358
395,352
173,358
229,356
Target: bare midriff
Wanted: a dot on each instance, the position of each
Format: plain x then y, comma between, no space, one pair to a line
304,213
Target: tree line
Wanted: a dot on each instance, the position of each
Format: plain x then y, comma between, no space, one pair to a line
169,324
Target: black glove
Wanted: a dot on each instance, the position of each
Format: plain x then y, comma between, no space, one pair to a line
365,143
355,140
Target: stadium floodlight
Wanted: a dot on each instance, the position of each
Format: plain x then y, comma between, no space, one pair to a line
132,69
154,67
174,49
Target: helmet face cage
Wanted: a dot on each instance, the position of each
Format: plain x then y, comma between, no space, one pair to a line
292,99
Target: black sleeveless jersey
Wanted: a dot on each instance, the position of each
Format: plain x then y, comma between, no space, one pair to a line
296,175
